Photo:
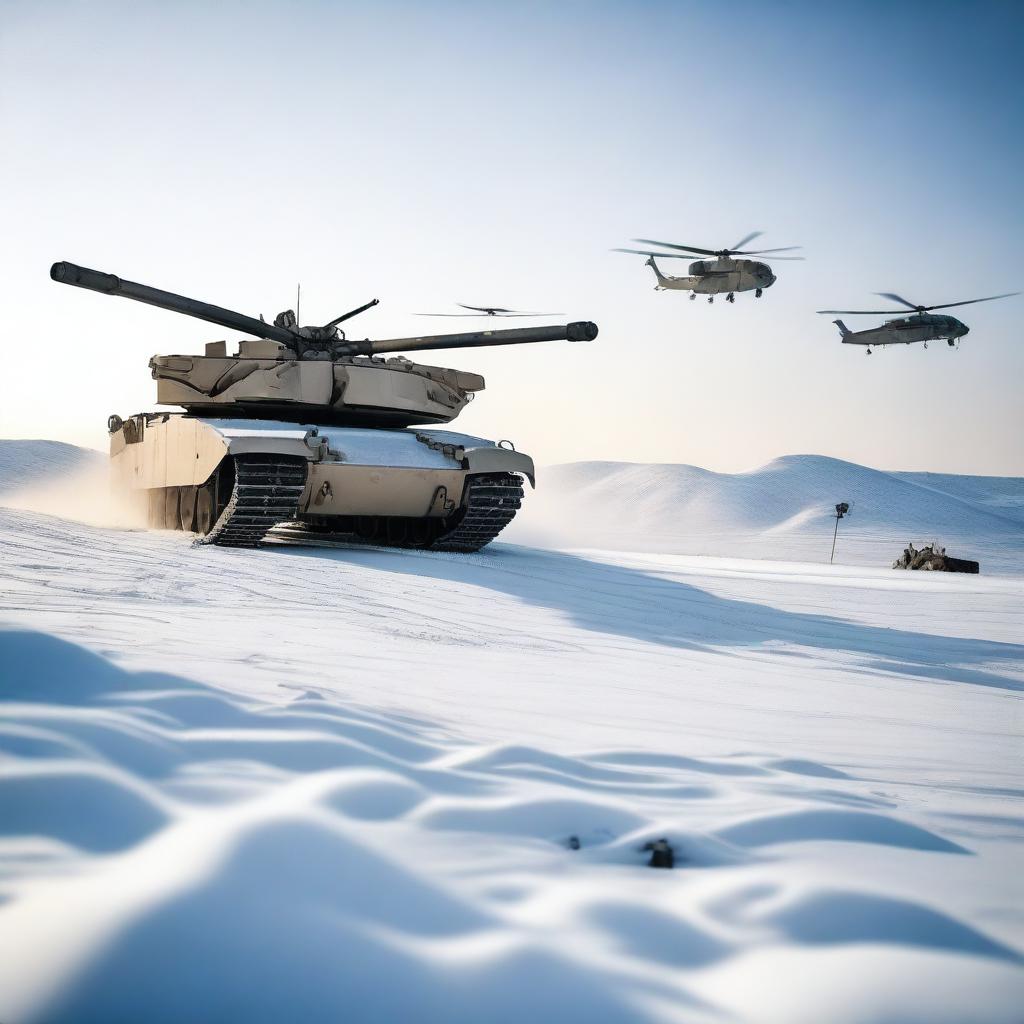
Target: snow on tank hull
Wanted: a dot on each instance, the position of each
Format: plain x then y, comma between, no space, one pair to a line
231,481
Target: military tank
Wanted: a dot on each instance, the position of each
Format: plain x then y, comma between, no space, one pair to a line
304,426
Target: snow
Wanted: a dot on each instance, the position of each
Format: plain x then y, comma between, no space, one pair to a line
784,510
25,463
324,783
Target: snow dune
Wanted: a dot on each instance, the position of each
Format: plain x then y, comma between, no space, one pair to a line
324,783
782,510
171,852
24,464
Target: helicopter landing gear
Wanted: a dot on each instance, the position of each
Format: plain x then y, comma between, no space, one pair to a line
730,297
758,293
869,351
926,344
711,298
951,343
693,295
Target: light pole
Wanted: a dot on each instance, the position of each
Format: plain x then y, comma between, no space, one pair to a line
842,509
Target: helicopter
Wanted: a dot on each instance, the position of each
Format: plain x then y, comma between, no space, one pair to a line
922,325
488,311
723,274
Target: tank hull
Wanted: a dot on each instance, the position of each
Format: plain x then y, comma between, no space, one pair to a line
230,481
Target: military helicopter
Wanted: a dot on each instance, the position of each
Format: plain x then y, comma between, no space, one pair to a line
922,326
723,274
488,311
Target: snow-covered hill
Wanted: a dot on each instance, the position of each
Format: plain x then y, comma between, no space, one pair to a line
783,510
780,511
24,464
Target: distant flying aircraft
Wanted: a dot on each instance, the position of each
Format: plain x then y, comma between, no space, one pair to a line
488,311
923,325
722,275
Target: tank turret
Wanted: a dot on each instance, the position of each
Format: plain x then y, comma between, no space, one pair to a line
277,432
312,373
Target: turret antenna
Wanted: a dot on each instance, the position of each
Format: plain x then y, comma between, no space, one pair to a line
298,303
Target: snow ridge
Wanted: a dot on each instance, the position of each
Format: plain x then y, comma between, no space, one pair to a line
24,463
783,509
263,861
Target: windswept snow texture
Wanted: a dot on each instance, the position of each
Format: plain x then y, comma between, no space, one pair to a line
323,784
782,510
24,464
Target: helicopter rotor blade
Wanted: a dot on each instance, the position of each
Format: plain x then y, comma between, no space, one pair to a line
745,239
968,302
902,301
490,310
661,255
759,252
772,259
673,245
485,313
860,312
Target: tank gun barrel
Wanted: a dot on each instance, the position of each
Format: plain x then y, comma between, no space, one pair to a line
581,330
108,284
311,342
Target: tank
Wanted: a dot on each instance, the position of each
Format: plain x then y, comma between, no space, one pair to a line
305,426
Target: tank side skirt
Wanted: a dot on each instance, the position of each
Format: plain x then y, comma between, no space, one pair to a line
490,502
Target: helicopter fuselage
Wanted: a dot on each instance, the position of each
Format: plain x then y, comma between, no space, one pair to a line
717,277
908,330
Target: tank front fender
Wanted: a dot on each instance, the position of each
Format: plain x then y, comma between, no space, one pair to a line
493,459
309,450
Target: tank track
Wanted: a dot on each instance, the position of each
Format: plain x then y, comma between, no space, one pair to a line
491,502
265,492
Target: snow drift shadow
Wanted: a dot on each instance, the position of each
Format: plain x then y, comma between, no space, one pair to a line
173,852
618,600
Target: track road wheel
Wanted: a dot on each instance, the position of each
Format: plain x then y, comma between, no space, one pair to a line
187,509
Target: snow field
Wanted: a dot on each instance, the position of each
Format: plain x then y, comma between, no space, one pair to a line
305,783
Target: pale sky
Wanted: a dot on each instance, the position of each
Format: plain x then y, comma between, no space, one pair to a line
427,154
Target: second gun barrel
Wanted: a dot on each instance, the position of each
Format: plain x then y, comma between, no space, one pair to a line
581,330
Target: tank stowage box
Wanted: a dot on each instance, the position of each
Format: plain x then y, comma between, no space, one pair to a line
303,425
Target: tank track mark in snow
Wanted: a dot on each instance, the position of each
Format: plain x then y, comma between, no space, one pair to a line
266,492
